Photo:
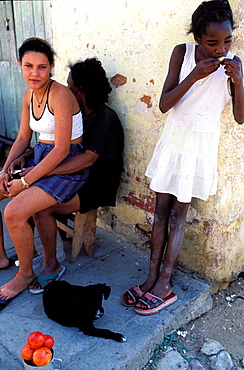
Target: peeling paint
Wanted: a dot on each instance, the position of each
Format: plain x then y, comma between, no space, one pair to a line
145,202
147,100
88,46
118,80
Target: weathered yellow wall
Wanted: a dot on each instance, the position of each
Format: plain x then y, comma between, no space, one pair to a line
134,40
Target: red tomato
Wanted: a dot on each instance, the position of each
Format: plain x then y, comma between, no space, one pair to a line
36,339
42,356
49,341
27,352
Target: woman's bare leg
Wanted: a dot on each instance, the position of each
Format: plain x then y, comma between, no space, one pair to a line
4,261
47,228
17,213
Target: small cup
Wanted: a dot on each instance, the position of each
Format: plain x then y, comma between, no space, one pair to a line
51,366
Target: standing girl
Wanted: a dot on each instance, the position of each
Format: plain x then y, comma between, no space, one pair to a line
184,163
50,109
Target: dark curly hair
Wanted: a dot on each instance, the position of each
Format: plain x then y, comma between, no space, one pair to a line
90,76
38,45
215,11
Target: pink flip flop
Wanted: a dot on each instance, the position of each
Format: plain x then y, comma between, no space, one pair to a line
154,303
135,294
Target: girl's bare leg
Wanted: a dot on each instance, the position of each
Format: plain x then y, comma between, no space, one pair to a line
177,219
17,213
158,241
159,238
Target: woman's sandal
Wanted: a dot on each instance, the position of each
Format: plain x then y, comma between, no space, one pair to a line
135,293
44,280
154,304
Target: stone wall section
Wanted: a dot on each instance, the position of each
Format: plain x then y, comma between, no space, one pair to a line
134,41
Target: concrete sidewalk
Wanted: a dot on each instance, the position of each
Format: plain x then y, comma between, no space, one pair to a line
119,265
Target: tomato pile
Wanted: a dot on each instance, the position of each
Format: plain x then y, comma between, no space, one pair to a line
38,349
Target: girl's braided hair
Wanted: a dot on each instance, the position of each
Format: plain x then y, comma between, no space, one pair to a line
215,11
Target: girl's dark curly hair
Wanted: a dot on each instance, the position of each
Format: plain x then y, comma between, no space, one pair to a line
90,76
215,11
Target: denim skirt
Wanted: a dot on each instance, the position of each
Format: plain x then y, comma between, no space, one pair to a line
61,187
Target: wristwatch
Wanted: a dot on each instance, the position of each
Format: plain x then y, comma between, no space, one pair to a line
25,184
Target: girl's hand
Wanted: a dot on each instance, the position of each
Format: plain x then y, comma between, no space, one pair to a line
233,69
14,188
206,67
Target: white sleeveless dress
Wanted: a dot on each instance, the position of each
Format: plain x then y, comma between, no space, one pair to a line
184,162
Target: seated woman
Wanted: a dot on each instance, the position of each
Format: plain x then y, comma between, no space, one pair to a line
50,109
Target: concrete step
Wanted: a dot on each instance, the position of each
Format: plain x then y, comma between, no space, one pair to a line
119,265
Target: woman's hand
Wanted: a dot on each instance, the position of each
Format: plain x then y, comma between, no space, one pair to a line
19,162
14,188
4,179
11,187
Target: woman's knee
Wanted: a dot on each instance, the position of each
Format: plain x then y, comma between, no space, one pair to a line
12,214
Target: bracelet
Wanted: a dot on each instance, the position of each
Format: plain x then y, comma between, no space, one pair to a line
25,184
2,173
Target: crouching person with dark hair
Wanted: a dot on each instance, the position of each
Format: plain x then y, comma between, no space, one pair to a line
103,144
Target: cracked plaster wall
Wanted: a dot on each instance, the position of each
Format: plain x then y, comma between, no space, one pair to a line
134,40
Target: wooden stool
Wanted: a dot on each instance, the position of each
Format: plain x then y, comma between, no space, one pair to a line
83,231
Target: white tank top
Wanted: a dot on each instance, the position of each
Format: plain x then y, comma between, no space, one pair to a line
45,125
200,108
